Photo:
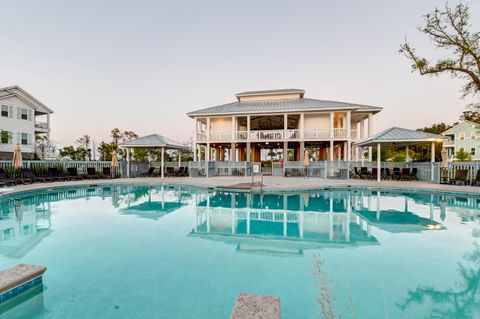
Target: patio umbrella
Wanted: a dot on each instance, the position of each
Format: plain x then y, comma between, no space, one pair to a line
444,163
17,158
114,161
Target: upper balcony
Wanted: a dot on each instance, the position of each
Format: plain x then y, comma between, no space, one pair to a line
278,135
42,127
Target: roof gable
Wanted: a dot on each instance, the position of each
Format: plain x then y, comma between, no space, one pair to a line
461,127
23,95
400,135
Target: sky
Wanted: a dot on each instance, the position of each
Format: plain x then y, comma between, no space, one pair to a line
141,65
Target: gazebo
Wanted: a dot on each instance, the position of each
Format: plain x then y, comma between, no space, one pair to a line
152,142
397,136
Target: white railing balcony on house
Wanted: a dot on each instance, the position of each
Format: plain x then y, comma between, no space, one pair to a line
270,135
353,134
242,135
41,126
449,143
340,133
293,135
220,136
316,133
201,136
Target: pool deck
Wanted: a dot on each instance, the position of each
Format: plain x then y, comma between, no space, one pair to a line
270,183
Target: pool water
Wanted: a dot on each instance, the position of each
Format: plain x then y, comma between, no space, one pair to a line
152,251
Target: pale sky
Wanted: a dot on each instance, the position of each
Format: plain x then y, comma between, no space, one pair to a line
141,65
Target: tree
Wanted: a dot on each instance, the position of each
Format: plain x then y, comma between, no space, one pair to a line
450,30
43,147
462,156
72,153
84,142
272,154
106,149
437,128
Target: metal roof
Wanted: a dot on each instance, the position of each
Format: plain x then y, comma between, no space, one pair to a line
271,92
398,135
152,141
26,97
266,106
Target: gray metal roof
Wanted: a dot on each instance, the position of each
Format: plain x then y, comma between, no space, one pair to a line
398,135
152,141
271,92
301,104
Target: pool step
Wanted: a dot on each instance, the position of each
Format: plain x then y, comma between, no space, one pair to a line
248,306
18,279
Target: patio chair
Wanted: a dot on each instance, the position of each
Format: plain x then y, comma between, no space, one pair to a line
374,173
413,174
73,174
106,173
170,172
405,174
55,174
150,173
30,176
396,173
388,173
356,173
92,173
461,176
476,181
6,180
365,174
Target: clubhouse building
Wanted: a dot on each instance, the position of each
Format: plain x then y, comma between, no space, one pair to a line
284,120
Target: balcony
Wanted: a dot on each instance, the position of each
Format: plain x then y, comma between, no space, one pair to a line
277,135
41,127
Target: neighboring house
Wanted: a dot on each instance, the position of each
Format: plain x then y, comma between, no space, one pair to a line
466,136
22,118
280,119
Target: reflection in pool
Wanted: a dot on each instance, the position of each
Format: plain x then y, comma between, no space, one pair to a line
151,251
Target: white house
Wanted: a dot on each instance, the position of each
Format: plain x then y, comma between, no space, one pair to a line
463,136
22,118
281,119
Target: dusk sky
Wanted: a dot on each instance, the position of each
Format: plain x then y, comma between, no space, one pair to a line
141,65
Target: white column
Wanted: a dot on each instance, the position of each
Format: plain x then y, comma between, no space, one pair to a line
348,155
162,169
48,126
234,128
302,151
179,158
432,172
362,129
128,162
248,127
370,128
285,125
331,125
331,150
379,164
207,152
302,125
407,154
208,129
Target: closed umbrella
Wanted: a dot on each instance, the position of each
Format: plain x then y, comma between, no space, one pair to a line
444,163
17,158
114,161
306,162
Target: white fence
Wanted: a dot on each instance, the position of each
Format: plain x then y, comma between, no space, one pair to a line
218,168
41,167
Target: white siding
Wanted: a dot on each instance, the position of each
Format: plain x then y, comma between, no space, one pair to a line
16,125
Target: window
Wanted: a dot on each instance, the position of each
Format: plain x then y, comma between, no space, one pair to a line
472,151
24,140
5,137
4,110
461,136
24,115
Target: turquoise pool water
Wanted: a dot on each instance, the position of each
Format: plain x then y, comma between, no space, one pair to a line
179,252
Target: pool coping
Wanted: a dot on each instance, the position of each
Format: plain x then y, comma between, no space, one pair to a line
271,185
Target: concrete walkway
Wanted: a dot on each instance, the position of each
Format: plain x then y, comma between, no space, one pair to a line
270,183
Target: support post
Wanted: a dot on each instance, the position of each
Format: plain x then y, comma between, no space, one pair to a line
407,154
370,129
379,164
432,171
162,168
128,163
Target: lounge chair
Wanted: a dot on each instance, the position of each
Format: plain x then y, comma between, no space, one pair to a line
106,173
364,173
5,180
92,173
356,173
150,173
55,175
396,173
476,181
388,173
73,174
29,175
413,174
461,176
405,174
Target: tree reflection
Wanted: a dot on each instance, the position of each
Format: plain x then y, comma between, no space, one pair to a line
462,301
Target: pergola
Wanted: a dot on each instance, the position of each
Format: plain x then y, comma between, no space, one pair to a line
152,142
397,136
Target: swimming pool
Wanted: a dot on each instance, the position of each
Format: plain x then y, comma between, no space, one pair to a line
152,251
